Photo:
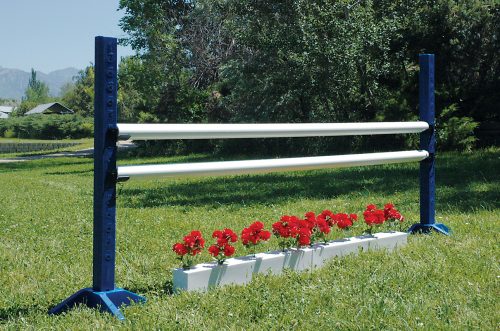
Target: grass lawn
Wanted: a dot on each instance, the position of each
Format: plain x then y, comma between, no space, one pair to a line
435,282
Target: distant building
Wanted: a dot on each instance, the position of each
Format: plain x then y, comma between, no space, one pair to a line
5,111
50,108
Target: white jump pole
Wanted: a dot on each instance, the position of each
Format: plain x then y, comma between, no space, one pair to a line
268,165
266,130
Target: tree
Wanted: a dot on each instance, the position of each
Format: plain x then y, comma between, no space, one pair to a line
182,45
133,83
37,92
312,61
79,96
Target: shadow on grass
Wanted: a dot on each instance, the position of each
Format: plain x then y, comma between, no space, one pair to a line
42,164
266,188
464,183
12,312
167,288
87,172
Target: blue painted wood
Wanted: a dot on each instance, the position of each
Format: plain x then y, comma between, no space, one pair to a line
105,137
103,294
427,139
108,301
428,143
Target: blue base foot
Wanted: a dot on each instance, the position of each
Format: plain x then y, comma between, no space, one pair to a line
109,301
426,228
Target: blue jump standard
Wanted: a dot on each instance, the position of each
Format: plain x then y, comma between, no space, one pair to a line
107,301
427,142
104,294
427,228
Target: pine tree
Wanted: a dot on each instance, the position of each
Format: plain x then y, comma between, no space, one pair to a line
37,91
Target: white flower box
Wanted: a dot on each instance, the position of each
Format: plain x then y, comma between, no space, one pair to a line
206,275
299,259
353,245
341,247
240,270
388,240
270,263
275,262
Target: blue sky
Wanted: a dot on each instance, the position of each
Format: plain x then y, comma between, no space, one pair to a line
54,34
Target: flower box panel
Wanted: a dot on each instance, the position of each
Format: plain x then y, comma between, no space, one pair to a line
191,279
270,263
207,275
299,259
275,262
389,240
363,242
325,252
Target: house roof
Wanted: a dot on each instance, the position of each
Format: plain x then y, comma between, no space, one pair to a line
53,107
4,115
6,109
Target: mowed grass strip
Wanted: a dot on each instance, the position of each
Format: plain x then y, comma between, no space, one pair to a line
435,282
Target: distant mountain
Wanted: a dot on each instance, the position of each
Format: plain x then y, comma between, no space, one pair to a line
13,82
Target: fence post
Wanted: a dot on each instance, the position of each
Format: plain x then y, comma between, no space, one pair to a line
103,293
428,143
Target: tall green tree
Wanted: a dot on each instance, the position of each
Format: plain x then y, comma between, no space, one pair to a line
79,95
37,92
182,45
303,61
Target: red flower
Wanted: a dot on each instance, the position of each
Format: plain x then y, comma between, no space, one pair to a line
222,249
322,225
371,207
189,241
310,220
304,237
328,216
247,237
265,235
318,226
286,226
373,216
228,250
180,249
256,226
195,241
192,245
293,227
303,224
343,221
214,250
254,234
310,216
389,206
392,214
225,236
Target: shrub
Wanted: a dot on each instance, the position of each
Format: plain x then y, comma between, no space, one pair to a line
455,132
3,127
9,134
48,127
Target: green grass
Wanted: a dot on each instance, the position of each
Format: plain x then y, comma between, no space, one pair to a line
433,283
